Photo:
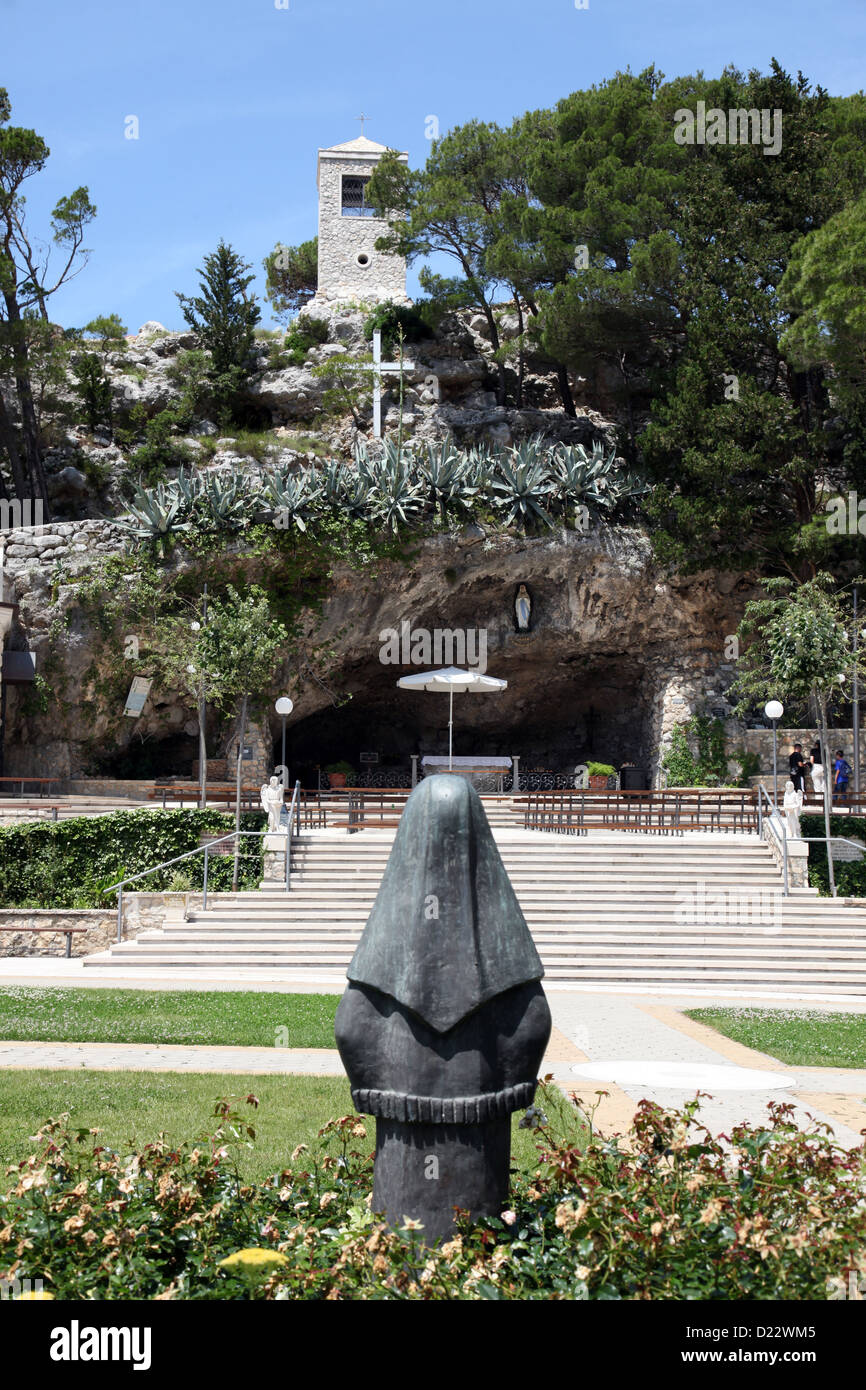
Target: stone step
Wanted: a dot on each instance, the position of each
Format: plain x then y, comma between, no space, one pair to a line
729,957
541,869
772,941
804,975
579,911
569,847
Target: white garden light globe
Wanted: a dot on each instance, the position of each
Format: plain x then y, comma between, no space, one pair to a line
774,709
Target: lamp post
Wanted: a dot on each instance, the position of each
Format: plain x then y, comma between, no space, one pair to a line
855,699
284,707
774,710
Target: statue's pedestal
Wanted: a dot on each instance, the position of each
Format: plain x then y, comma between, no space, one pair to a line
423,1171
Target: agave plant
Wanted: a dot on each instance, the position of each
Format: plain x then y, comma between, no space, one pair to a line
594,479
335,483
445,474
396,495
522,484
292,497
155,514
188,488
225,502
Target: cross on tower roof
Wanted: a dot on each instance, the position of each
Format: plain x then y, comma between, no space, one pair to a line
362,118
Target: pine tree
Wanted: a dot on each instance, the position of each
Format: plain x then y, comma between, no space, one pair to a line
223,318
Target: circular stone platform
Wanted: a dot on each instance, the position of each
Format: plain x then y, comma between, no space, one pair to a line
684,1076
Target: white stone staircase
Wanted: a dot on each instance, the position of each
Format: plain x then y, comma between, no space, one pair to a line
607,909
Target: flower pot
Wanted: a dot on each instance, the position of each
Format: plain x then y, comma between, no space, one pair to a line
598,784
336,779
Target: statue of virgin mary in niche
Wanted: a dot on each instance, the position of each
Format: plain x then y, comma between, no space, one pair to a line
523,608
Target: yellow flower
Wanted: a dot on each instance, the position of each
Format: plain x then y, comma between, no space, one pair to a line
452,1248
656,1228
712,1211
359,1131
31,1295
254,1260
73,1224
326,1199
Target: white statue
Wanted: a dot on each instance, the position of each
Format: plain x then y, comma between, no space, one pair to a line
272,802
523,608
792,806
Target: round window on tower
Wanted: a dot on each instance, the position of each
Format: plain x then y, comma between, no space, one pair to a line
363,259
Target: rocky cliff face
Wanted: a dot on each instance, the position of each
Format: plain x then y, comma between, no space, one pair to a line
616,653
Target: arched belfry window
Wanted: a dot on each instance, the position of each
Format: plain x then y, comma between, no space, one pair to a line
353,197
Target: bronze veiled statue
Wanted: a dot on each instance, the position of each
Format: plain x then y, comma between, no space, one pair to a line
444,1022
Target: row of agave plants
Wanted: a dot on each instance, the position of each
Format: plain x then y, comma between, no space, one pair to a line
530,485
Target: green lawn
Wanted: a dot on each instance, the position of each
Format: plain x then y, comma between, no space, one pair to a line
132,1107
797,1037
241,1019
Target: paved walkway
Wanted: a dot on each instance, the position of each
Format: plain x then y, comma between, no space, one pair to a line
597,1042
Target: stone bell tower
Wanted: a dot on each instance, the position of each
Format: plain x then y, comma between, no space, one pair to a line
350,267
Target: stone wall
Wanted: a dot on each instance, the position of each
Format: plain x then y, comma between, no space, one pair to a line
101,929
798,853
760,741
141,912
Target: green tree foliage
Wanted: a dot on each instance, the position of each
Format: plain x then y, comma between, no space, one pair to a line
447,208
653,268
240,646
27,281
688,318
348,385
292,277
824,286
798,648
90,369
223,318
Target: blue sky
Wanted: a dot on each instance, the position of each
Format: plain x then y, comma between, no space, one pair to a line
234,97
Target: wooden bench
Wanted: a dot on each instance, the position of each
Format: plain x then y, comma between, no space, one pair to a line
659,811
68,932
221,792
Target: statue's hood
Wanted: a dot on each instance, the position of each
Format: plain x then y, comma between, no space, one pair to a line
446,932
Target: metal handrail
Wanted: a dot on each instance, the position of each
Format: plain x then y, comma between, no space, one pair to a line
190,854
294,813
774,812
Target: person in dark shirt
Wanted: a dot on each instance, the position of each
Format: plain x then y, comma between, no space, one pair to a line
796,763
841,775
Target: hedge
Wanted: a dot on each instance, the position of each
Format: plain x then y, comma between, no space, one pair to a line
67,864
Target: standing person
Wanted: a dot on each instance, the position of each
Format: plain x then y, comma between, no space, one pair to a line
841,776
796,763
816,759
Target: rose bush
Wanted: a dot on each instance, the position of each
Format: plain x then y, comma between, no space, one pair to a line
663,1212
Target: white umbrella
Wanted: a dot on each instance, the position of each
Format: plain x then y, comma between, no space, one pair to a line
446,681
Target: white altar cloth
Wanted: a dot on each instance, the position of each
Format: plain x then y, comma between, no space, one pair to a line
481,763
